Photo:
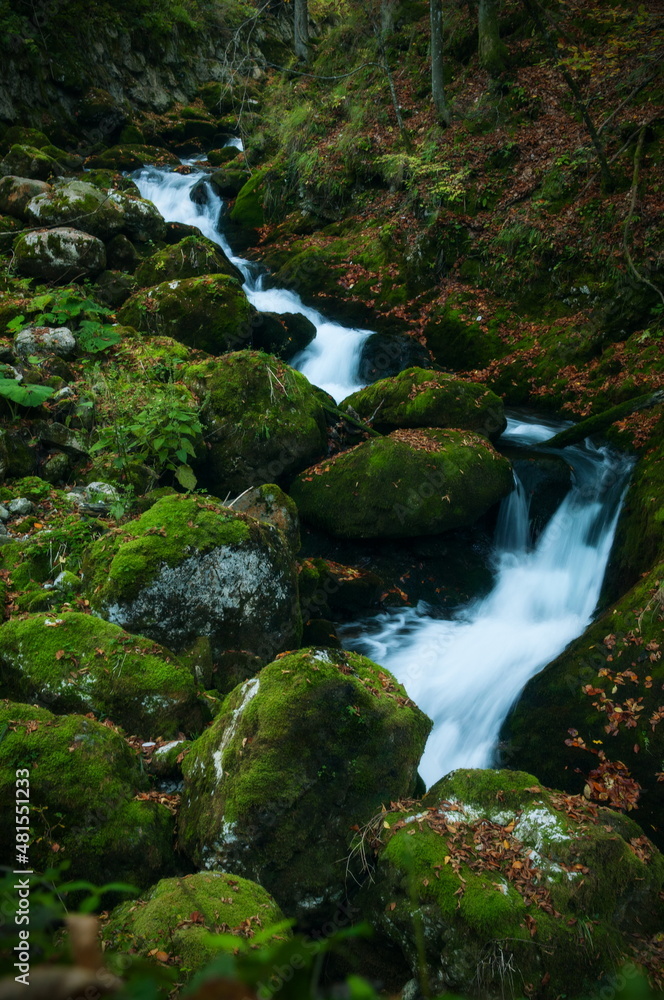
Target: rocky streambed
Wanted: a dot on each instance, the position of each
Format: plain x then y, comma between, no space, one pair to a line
186,456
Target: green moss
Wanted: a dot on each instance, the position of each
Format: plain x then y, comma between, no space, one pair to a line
492,872
83,776
161,921
420,398
209,312
78,662
26,161
131,157
315,743
414,482
248,208
264,421
458,342
189,258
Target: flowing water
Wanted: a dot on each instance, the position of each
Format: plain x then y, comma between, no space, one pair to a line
464,672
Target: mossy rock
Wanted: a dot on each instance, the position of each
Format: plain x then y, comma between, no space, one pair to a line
494,885
80,663
83,778
189,258
229,181
263,421
131,156
220,157
161,921
414,482
190,567
327,586
26,161
143,222
420,398
17,192
458,342
69,161
317,742
59,255
282,334
17,135
578,692
79,204
386,354
247,212
210,312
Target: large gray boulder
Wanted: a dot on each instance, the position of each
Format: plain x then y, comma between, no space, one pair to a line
57,340
79,204
60,254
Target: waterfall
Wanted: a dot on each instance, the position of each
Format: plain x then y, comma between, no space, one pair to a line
332,359
465,673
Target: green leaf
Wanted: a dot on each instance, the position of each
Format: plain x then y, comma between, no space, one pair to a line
186,477
182,455
24,395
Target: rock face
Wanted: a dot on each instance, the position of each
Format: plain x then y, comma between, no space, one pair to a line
494,877
189,568
263,421
161,920
414,482
83,778
209,312
59,254
420,398
79,663
312,745
45,340
189,258
17,192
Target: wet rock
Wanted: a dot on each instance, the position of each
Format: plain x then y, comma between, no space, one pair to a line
131,156
190,567
57,340
271,505
60,436
142,220
283,334
385,354
61,254
420,398
263,421
229,181
26,161
414,482
113,288
312,745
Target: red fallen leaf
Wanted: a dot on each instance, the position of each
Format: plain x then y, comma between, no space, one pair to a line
531,924
197,917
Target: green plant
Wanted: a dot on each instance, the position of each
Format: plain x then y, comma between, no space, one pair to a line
66,307
21,394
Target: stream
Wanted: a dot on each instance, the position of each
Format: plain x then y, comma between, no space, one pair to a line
466,671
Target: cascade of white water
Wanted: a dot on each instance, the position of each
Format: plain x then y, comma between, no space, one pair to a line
332,359
466,672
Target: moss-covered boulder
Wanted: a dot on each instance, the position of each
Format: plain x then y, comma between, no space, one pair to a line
79,204
496,887
420,398
414,482
283,334
18,135
26,161
80,663
263,421
17,192
593,719
131,156
189,258
142,220
83,780
61,254
210,312
229,181
314,744
177,915
458,341
190,567
247,212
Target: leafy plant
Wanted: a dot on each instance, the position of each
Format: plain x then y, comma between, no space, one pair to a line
22,394
66,307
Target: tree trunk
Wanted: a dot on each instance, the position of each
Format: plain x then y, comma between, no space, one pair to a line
437,84
492,52
301,29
